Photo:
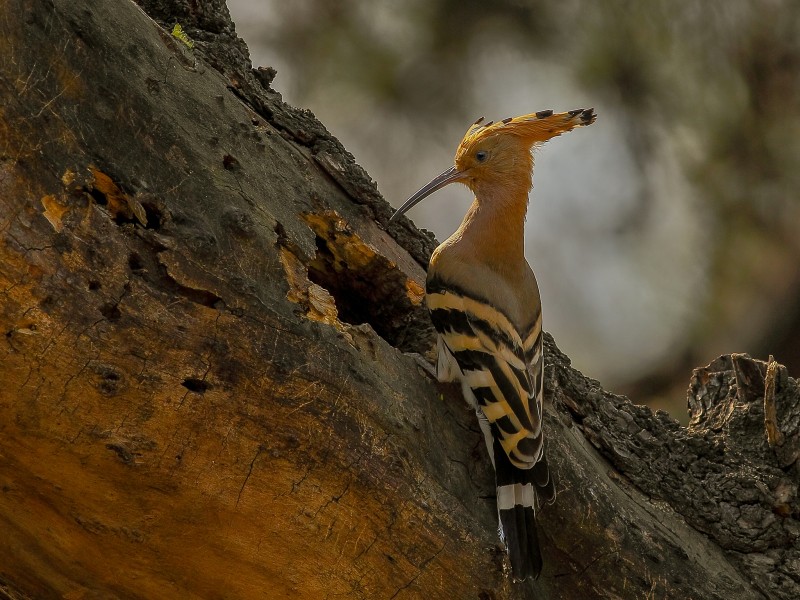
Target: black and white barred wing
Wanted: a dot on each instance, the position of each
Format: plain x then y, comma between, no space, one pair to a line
479,345
501,375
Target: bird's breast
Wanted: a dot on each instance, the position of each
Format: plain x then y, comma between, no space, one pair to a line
512,291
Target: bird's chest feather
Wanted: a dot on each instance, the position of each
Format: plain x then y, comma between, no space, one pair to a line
508,288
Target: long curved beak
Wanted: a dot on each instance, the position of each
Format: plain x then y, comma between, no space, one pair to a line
449,176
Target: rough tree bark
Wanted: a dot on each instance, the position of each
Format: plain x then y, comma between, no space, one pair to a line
204,385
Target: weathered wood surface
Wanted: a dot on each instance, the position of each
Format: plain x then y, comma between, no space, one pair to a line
203,385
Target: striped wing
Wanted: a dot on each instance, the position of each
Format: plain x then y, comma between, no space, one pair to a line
502,368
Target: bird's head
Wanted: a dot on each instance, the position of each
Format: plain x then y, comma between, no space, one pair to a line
496,157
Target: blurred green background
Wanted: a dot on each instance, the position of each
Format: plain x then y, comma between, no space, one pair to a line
662,236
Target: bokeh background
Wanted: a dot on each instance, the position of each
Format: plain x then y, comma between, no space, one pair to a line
662,236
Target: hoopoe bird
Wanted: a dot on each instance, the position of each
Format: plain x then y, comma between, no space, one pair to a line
484,303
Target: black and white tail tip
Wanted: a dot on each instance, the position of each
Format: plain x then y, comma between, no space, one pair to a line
519,494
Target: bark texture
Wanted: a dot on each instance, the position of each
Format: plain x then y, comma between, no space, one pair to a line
205,389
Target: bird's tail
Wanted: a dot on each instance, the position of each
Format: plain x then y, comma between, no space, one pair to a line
519,494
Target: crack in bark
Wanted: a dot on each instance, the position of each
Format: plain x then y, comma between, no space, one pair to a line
249,472
419,572
333,499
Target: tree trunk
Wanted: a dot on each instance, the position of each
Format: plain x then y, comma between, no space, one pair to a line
206,390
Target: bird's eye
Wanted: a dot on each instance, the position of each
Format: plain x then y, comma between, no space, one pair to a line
481,155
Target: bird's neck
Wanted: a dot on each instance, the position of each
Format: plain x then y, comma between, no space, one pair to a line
494,227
